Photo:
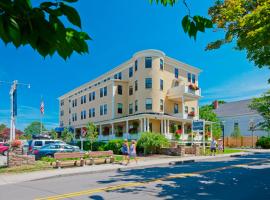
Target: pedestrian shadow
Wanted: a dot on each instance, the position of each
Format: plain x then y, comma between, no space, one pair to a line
217,184
96,197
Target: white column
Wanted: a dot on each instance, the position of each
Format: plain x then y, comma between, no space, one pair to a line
211,130
165,126
148,128
144,124
126,126
112,128
168,126
161,122
141,124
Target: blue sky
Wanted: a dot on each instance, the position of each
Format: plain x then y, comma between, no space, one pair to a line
119,28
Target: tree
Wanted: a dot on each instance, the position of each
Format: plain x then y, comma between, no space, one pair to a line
151,142
34,128
42,27
91,133
262,106
2,127
5,133
53,134
67,136
207,113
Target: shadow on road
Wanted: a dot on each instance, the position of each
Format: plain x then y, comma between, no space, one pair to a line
236,183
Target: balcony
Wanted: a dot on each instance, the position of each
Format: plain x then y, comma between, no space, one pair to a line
186,91
186,116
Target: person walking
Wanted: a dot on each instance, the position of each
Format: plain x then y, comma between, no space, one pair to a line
220,145
125,151
213,147
133,150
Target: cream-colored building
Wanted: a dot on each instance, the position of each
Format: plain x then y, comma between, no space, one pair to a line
149,92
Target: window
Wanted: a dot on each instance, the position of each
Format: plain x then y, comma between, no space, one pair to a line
189,77
161,105
192,109
148,83
62,113
92,96
49,142
120,108
136,85
130,108
101,109
136,105
130,72
148,104
120,89
236,124
136,65
83,114
175,108
148,62
74,117
130,90
105,109
161,84
193,78
176,72
83,99
118,76
74,103
38,143
92,112
62,102
186,109
161,66
103,91
176,83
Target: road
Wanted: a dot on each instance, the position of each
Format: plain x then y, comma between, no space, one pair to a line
241,178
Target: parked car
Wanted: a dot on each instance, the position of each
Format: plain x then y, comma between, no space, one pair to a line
50,149
4,148
37,144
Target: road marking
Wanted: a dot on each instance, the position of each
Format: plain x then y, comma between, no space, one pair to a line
134,184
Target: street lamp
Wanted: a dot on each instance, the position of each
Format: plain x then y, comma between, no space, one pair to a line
13,102
222,124
252,127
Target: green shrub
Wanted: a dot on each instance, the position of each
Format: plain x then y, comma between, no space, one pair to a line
263,142
152,142
48,159
114,145
97,146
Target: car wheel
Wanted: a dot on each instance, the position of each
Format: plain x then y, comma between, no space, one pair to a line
5,153
49,156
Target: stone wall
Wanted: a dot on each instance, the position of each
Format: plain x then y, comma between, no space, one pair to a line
16,158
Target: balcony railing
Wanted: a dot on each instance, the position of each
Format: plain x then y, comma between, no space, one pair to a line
181,90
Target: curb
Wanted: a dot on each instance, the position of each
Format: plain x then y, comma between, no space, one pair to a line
123,169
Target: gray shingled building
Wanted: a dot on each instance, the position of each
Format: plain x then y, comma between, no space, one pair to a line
239,114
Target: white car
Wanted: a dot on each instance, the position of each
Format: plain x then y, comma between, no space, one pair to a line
37,144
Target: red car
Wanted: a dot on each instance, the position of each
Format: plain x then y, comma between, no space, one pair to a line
4,148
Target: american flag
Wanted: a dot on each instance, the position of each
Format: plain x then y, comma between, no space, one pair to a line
42,107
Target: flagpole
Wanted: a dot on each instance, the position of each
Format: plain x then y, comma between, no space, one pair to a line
41,116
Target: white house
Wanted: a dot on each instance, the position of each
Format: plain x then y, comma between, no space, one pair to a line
238,113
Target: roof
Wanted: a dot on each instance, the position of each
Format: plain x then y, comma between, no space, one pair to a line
235,108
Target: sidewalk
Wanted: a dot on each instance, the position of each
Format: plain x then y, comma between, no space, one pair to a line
30,176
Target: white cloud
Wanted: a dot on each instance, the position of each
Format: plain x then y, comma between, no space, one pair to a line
244,86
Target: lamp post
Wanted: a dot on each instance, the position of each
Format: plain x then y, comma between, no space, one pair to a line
252,127
222,123
13,108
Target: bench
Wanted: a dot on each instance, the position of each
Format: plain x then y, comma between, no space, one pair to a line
64,163
100,157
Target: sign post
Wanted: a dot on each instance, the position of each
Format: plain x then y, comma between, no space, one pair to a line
198,126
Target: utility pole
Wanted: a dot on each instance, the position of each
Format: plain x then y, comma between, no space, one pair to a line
13,106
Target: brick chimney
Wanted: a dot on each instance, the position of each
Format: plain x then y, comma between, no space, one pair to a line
215,104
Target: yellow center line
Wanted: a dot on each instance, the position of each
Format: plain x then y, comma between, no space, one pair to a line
140,183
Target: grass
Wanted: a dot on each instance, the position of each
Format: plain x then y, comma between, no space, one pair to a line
226,151
39,165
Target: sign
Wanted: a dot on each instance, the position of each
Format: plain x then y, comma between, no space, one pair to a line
197,125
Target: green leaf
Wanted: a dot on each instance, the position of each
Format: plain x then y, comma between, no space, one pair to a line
3,33
186,23
193,30
13,30
71,14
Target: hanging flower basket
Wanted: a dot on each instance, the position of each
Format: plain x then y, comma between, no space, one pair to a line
193,87
191,114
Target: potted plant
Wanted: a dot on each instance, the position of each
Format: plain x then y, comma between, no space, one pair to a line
15,144
193,86
191,114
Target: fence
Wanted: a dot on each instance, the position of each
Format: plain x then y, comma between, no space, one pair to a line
243,141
